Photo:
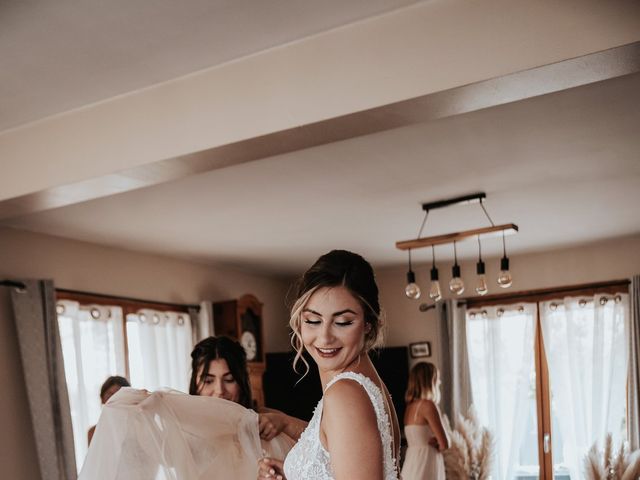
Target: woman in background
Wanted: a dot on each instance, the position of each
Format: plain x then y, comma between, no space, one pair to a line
219,369
110,386
423,428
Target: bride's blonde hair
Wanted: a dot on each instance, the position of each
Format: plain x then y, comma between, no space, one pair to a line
338,268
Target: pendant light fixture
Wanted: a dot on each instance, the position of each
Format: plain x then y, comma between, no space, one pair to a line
504,277
412,290
435,293
456,285
481,285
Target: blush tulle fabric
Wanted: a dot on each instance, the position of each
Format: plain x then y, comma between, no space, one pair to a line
168,435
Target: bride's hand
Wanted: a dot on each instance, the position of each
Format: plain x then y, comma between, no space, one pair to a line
270,468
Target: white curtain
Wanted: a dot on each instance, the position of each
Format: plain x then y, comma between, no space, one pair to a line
160,345
586,349
93,349
500,343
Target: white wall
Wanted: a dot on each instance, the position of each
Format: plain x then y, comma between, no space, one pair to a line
610,260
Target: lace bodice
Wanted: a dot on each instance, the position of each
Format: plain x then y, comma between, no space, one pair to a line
308,460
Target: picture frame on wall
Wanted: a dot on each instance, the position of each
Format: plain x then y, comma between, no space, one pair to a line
420,349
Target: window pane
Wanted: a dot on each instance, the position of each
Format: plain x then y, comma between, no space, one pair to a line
159,346
584,341
91,354
501,356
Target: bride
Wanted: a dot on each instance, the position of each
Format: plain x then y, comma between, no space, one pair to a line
354,431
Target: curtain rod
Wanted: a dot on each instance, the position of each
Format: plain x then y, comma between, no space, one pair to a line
523,295
128,299
12,283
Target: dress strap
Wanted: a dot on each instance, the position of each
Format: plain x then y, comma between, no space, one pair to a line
358,377
415,413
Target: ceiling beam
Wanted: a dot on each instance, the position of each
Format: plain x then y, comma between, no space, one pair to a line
554,77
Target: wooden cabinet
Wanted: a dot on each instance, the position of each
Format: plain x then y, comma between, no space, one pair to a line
241,319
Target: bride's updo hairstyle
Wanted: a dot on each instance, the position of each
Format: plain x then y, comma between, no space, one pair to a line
338,268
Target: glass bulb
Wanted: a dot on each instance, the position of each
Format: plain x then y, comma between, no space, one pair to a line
481,287
504,279
435,293
412,291
456,285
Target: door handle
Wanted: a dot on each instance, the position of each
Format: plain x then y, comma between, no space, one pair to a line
546,443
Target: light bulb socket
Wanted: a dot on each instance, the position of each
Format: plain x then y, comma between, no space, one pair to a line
504,263
411,277
455,271
434,274
480,268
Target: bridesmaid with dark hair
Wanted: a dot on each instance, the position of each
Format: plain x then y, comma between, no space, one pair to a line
219,369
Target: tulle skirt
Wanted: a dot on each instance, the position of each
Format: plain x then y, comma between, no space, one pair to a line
169,435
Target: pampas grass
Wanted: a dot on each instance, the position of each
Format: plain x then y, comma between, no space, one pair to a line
608,465
470,454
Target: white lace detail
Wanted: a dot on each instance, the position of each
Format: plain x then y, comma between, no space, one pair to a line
308,460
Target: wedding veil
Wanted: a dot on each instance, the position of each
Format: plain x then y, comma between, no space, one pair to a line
168,435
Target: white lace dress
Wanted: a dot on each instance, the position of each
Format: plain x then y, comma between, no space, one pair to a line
308,460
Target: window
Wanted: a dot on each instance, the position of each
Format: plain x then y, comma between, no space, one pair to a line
148,343
548,374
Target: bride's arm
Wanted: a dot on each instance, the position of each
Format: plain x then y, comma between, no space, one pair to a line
350,428
272,422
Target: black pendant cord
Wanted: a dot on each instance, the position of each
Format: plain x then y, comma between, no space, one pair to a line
433,256
479,250
504,246
455,254
12,284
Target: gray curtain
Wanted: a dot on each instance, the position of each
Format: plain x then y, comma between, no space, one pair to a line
633,393
37,326
454,359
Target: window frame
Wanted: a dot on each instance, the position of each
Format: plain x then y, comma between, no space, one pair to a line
543,393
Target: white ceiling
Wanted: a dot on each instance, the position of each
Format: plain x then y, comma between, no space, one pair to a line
60,55
565,167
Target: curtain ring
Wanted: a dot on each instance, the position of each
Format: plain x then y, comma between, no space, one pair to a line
95,313
60,309
582,303
553,306
603,300
617,298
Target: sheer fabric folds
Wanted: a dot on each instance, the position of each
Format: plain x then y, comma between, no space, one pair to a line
168,435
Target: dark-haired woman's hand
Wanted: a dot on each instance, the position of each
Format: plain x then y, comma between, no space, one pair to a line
271,424
270,468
